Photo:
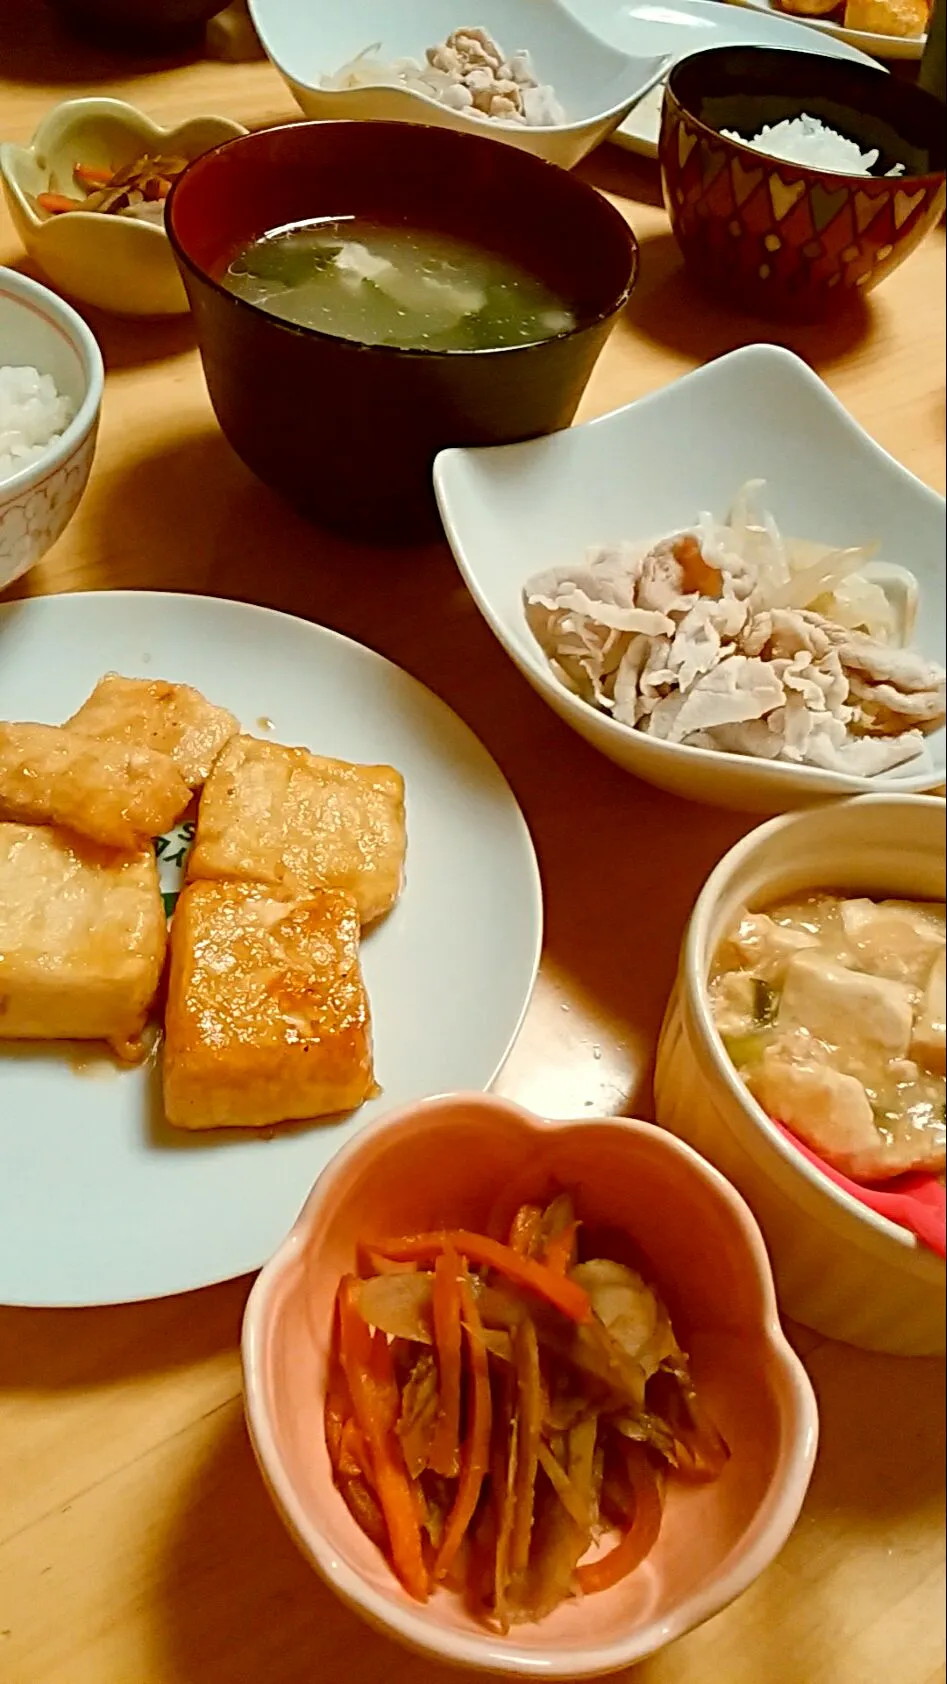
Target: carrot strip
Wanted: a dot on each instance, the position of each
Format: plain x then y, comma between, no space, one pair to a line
641,1536
53,203
91,176
444,1455
563,1294
476,1451
366,1362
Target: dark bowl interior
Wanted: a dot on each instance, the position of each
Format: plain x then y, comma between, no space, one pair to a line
746,88
349,431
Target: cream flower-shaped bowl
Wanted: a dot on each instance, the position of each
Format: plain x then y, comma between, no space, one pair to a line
118,263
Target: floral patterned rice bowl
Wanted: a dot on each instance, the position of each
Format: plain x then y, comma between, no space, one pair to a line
36,504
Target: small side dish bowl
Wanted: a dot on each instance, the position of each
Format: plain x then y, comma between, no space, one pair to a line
117,263
37,330
783,239
454,1161
650,468
596,84
349,431
840,1268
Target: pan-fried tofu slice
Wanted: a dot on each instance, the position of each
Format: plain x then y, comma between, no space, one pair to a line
283,816
82,939
114,793
267,1017
152,713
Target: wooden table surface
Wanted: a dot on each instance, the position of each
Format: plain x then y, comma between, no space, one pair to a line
137,1545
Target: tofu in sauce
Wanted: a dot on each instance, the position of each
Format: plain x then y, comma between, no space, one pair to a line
832,1010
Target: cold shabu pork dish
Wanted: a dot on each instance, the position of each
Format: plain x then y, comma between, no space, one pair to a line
832,1010
729,635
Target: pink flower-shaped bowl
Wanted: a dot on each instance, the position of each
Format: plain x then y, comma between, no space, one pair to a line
468,1160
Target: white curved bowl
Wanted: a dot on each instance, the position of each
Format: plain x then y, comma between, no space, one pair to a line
37,330
596,84
839,1267
759,413
114,262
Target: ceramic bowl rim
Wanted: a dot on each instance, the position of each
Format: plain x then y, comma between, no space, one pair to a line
42,301
764,1537
810,172
694,963
416,353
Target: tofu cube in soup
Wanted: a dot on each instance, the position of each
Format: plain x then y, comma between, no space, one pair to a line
82,939
115,793
173,719
267,1016
832,1011
893,938
299,821
840,1006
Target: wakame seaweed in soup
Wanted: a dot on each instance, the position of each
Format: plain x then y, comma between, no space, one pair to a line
386,284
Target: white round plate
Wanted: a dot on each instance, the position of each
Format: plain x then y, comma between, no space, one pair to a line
101,1201
868,41
643,28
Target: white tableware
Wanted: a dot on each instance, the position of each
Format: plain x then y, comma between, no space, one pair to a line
101,1200
37,330
596,83
650,468
867,40
839,1267
679,27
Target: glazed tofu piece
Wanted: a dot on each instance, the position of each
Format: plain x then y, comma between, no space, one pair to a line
930,1025
846,1008
151,713
267,1017
82,939
114,793
296,820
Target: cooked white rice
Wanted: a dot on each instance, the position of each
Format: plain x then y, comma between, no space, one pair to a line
807,140
32,417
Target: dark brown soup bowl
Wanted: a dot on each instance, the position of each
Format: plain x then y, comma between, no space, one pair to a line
788,240
347,431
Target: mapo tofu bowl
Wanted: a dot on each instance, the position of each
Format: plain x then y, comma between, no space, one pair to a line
368,293
475,1165
848,902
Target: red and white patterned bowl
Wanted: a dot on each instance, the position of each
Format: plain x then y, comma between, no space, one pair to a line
37,330
781,239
